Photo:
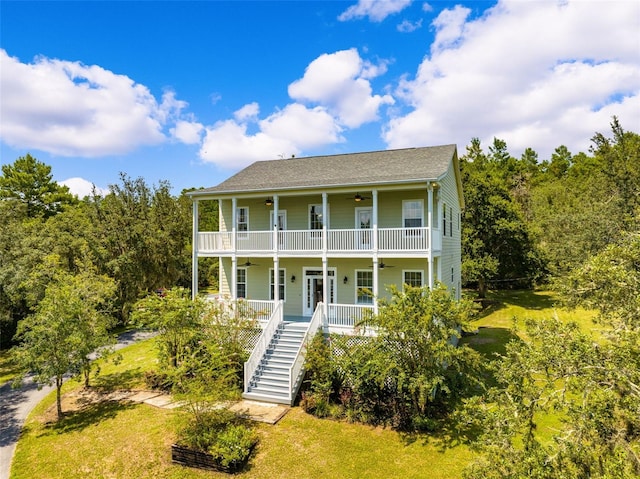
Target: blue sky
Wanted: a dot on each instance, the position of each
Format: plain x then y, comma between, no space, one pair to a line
191,92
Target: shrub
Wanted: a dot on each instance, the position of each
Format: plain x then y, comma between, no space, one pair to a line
233,445
158,381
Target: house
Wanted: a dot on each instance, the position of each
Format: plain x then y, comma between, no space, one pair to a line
313,242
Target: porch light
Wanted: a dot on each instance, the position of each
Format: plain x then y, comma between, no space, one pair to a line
357,198
268,202
345,280
293,278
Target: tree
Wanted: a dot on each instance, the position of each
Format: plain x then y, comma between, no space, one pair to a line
178,319
409,374
68,325
29,181
560,372
591,387
620,160
496,241
144,234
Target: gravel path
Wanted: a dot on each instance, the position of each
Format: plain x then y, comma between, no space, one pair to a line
16,404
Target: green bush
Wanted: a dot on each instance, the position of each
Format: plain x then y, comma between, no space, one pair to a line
233,445
158,381
221,433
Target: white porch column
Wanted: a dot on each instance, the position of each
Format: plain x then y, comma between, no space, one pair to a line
325,261
194,251
430,234
374,219
276,261
375,283
234,254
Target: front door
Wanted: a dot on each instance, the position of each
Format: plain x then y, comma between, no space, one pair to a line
363,225
314,289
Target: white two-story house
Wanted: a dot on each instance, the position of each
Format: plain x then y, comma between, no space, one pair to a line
314,242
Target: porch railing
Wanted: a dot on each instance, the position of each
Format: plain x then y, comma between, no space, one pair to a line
347,315
311,241
262,344
296,370
260,310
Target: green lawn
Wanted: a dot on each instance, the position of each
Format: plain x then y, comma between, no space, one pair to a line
123,440
507,309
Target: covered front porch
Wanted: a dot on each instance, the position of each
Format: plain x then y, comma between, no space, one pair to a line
334,318
347,285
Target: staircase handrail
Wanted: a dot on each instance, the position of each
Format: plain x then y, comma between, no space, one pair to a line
296,369
262,344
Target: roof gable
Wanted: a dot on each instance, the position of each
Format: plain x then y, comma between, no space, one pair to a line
377,167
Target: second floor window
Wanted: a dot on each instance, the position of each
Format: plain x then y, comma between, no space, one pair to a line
316,217
242,220
412,214
444,220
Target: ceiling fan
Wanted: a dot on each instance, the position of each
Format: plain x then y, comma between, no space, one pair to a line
358,197
382,265
248,264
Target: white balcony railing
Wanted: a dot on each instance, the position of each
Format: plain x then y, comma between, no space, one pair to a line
348,316
311,241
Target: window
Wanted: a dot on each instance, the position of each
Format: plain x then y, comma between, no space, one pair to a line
364,287
451,222
444,220
241,283
316,217
242,221
412,216
413,278
281,283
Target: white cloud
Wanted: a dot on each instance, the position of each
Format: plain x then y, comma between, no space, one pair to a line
376,10
247,112
81,187
340,81
70,109
232,144
536,74
407,27
307,128
189,132
339,94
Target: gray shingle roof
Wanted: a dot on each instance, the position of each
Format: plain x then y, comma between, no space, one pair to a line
376,167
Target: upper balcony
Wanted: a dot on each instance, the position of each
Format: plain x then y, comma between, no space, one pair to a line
405,242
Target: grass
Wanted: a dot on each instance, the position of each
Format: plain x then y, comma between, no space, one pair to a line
509,309
125,440
116,440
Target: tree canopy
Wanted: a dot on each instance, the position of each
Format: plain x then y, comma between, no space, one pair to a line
29,182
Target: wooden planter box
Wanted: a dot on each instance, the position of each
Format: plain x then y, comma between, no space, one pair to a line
202,460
